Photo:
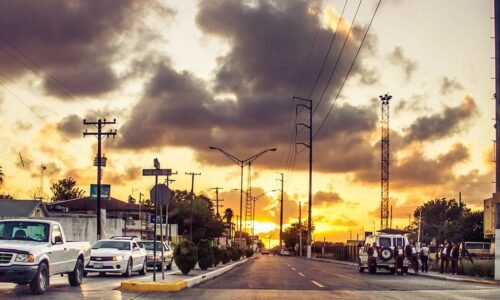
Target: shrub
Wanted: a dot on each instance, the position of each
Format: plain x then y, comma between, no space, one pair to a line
482,268
237,254
185,256
205,255
249,252
227,255
217,255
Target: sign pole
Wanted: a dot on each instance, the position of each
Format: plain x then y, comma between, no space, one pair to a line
154,231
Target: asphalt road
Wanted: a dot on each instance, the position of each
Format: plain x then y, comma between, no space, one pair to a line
275,277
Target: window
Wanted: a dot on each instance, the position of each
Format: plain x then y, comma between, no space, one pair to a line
120,245
384,242
56,231
31,231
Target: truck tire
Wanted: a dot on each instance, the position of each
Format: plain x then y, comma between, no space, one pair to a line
144,268
40,283
169,266
128,271
75,278
386,253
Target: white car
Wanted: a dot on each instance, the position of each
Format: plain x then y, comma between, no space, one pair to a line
285,252
168,254
117,255
386,243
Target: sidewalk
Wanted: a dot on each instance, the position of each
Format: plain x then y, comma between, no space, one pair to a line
176,281
431,274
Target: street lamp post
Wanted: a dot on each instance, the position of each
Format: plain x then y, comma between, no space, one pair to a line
241,163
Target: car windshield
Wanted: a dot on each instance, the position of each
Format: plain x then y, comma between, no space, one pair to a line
24,231
150,245
120,245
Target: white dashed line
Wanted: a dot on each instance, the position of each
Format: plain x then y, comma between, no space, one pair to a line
300,273
294,269
318,284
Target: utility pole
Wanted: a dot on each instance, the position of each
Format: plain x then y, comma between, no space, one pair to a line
100,162
281,210
169,231
307,106
140,210
300,228
217,200
497,137
192,196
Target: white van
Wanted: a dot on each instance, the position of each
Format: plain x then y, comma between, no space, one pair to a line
386,244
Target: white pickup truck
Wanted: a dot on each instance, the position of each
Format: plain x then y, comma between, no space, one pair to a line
33,250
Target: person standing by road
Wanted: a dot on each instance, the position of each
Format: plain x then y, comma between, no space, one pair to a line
454,255
424,257
372,257
399,254
445,252
410,253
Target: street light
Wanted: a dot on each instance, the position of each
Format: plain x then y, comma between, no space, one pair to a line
241,163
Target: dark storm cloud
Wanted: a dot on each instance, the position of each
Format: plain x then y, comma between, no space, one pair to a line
322,198
398,58
448,85
267,41
71,126
443,124
74,41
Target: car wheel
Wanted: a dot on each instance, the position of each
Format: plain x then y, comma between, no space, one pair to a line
128,271
361,269
75,278
144,268
40,283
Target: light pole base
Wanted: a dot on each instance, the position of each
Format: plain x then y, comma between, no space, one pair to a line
308,251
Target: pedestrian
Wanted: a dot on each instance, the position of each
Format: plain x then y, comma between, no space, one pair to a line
424,257
409,254
414,257
399,255
454,255
372,257
445,257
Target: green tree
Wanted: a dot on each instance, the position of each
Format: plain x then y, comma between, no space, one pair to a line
2,175
228,215
291,234
65,189
6,196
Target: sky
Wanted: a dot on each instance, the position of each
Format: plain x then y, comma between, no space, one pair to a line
180,76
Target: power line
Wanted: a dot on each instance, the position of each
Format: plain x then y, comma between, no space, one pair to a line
350,69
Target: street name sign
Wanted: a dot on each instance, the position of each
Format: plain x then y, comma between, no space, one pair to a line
156,172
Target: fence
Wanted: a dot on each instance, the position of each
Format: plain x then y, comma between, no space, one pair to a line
336,251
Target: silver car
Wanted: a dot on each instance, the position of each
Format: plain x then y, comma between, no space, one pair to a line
168,255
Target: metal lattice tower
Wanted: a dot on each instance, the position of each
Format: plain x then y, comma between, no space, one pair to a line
249,202
384,145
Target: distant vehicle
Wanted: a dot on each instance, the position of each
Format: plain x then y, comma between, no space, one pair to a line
33,250
264,251
385,260
168,254
478,249
285,252
117,255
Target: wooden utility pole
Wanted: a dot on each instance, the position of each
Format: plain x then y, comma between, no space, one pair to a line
192,196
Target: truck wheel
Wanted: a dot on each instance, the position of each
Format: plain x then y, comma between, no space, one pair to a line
128,271
75,278
361,269
169,266
40,283
144,268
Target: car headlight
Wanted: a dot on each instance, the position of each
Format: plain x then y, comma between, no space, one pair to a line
25,258
117,258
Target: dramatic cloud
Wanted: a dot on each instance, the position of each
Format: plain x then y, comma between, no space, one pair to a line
416,103
448,85
444,124
327,198
250,108
398,58
22,126
71,126
73,42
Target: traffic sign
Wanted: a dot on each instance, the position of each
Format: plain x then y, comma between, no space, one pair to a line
152,219
156,172
164,194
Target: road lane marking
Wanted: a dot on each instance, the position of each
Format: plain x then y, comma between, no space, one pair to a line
289,265
318,284
294,269
300,273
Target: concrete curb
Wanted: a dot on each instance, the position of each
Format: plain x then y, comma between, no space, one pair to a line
459,279
176,286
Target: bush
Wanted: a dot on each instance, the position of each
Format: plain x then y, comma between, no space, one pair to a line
185,256
217,255
482,268
227,255
205,255
237,254
249,252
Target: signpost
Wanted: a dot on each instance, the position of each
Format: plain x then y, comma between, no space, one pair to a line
160,194
105,191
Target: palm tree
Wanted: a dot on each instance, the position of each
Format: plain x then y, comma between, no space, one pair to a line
228,215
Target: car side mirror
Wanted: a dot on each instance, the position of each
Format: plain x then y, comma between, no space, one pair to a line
58,240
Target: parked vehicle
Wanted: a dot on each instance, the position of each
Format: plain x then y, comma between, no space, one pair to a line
168,255
478,249
285,252
117,255
385,260
33,250
264,251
